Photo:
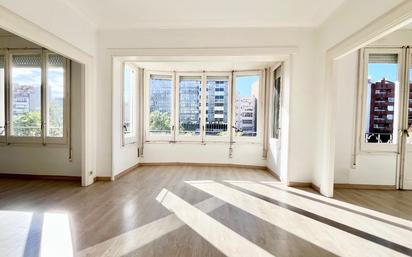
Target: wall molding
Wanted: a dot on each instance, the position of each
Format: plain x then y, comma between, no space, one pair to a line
42,177
201,164
364,186
102,178
126,171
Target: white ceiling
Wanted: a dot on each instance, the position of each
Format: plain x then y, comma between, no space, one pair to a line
123,14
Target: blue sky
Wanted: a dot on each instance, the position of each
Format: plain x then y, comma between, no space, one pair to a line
244,84
376,71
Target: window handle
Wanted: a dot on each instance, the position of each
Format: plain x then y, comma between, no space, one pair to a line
406,132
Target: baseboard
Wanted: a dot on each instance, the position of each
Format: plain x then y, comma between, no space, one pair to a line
315,187
364,186
126,171
199,164
102,179
273,173
44,177
299,184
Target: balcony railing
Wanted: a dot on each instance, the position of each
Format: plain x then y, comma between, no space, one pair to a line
380,138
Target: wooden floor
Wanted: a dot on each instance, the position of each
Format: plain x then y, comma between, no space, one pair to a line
199,211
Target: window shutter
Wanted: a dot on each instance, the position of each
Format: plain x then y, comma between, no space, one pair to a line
383,58
26,60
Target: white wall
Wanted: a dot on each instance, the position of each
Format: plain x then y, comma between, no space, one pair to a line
302,89
50,159
59,19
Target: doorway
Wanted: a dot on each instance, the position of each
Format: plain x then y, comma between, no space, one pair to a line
385,135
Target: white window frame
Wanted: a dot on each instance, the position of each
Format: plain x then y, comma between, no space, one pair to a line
3,138
18,139
66,109
229,107
148,137
189,138
260,105
132,137
273,77
376,147
43,139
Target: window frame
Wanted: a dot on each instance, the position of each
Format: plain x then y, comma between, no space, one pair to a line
260,107
147,136
3,139
66,101
363,93
43,139
190,138
132,137
24,139
225,138
273,76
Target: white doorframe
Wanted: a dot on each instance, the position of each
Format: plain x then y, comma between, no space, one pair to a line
380,27
16,24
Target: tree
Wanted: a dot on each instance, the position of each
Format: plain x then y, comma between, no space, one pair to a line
159,121
27,124
55,127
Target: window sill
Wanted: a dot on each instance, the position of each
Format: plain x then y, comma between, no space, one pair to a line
200,143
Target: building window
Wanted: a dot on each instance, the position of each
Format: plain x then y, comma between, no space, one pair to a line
36,103
382,97
246,105
217,95
160,105
26,95
190,92
129,104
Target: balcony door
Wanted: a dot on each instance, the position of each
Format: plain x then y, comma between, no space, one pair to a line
386,138
405,172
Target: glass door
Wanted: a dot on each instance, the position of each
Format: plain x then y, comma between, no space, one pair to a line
405,173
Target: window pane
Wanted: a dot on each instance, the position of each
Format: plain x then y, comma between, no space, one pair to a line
216,106
409,139
382,98
2,98
55,95
247,95
128,110
26,95
276,104
160,90
189,105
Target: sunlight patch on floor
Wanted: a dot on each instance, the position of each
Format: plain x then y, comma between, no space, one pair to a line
327,237
380,215
360,222
141,236
223,238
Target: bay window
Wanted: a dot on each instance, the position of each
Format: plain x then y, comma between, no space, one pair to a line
217,106
190,106
197,106
34,97
159,115
246,105
129,104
